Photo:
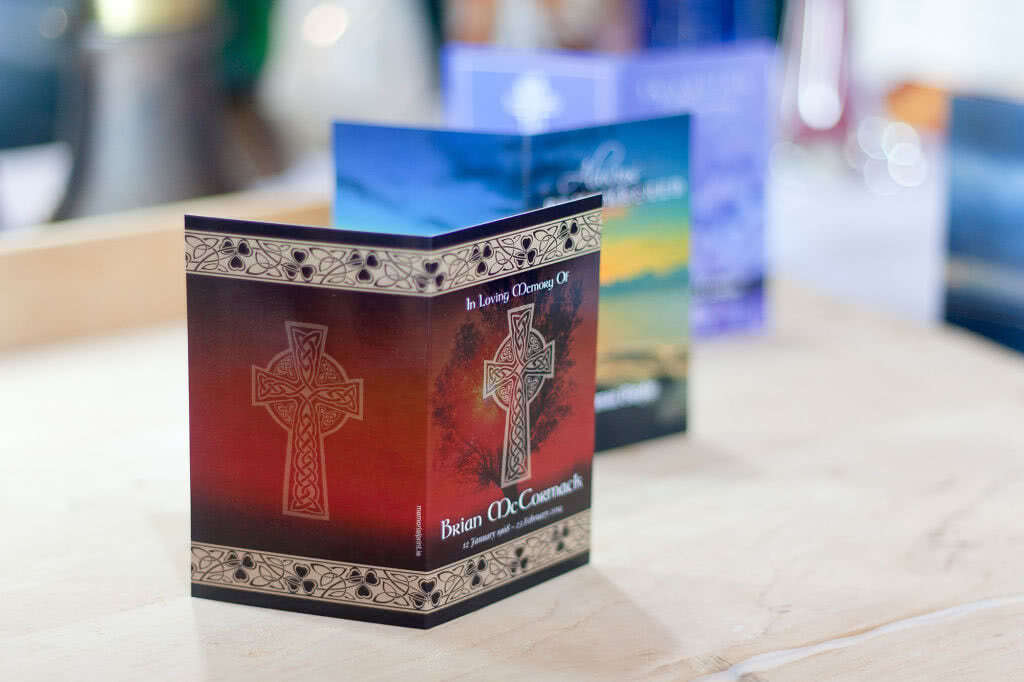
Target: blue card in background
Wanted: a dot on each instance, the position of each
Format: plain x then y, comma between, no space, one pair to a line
729,88
425,182
985,272
671,23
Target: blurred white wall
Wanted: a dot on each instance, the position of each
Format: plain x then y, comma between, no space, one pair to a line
966,45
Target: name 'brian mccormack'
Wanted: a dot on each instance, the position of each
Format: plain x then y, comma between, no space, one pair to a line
505,506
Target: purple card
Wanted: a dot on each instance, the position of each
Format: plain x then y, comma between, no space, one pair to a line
729,88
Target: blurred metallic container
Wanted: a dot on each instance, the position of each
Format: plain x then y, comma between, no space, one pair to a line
149,114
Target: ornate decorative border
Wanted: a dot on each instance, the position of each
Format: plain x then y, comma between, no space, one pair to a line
390,588
387,270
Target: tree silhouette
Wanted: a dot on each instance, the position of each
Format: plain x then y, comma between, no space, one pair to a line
556,316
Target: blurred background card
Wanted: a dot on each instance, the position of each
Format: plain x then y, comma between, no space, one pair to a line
729,89
424,182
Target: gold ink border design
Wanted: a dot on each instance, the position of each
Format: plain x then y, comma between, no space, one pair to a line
393,589
386,270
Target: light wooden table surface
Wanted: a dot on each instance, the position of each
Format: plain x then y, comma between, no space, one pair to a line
849,505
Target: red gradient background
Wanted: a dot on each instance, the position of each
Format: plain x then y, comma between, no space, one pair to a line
570,446
376,469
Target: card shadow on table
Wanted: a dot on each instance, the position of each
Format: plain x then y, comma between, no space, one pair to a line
547,630
587,623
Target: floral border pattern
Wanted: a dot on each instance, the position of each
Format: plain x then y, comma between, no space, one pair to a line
390,588
386,270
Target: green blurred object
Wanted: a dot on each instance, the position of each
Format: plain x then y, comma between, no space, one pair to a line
248,40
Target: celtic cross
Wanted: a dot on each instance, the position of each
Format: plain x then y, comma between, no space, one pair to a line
309,395
513,378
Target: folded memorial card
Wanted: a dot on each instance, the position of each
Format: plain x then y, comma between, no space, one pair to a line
421,180
388,427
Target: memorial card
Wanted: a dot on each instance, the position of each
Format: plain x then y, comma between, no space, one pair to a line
421,180
729,90
391,427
